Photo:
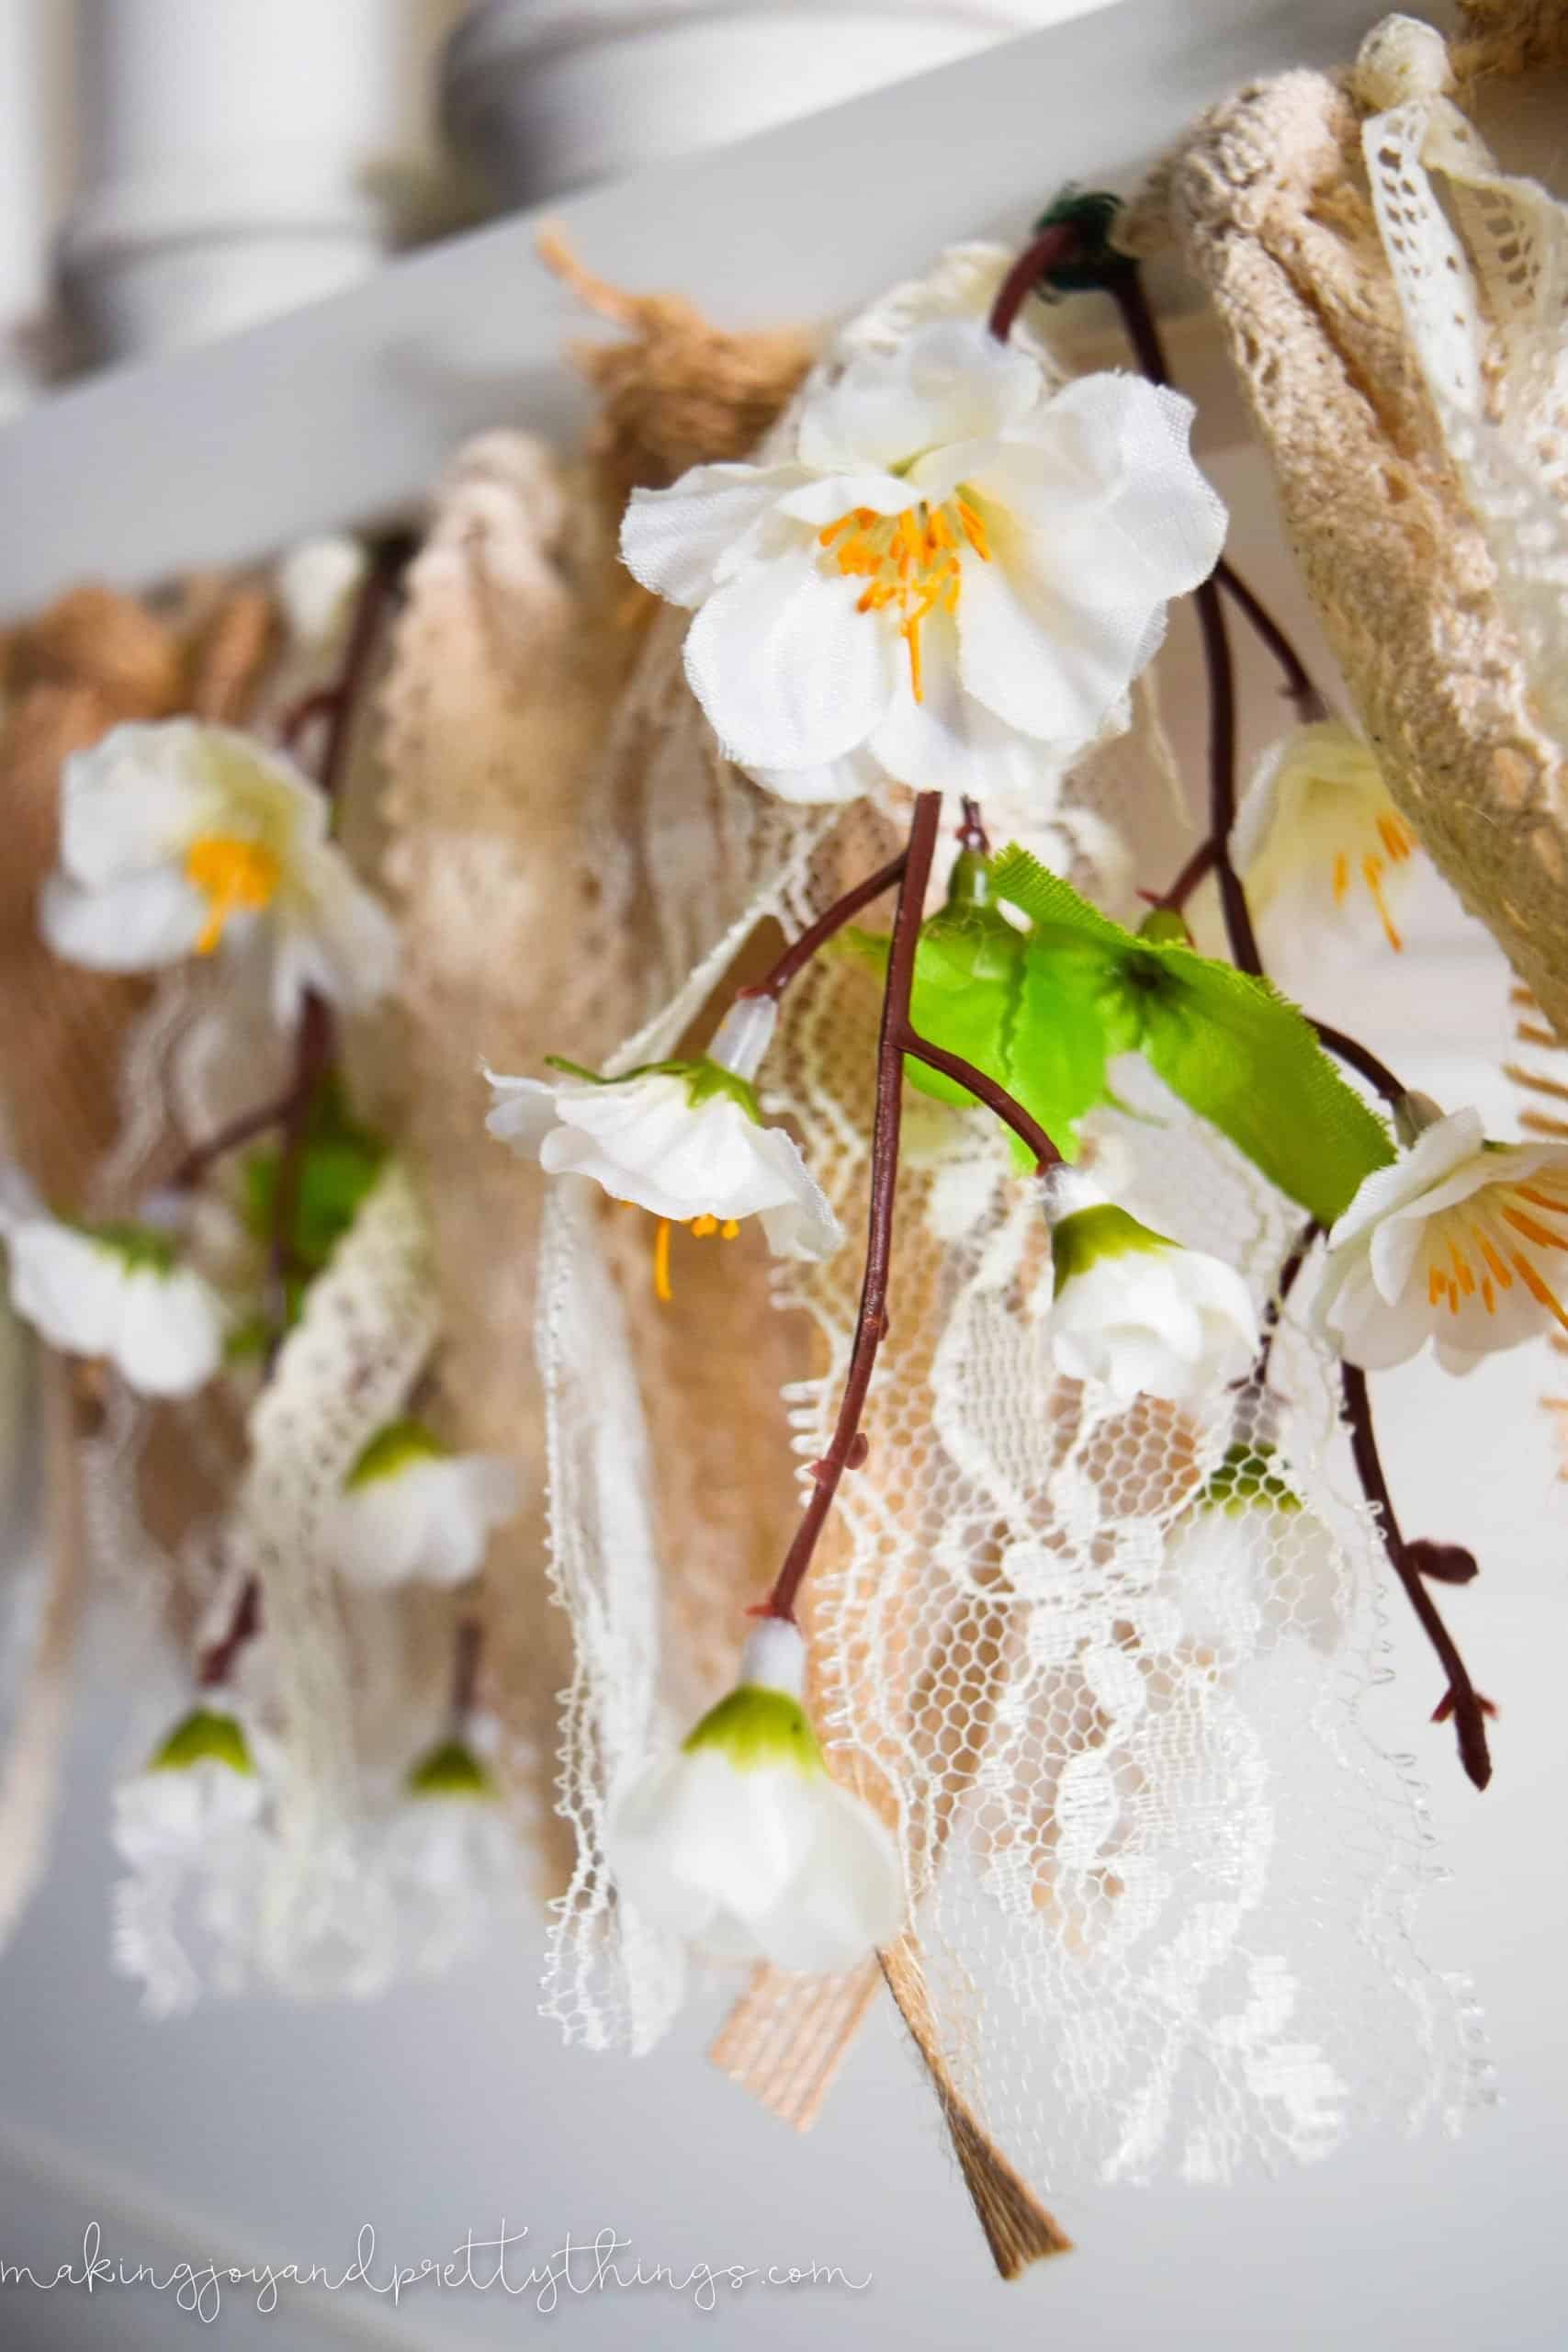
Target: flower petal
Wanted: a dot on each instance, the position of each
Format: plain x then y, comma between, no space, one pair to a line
789,673
672,540
948,381
169,1341
134,923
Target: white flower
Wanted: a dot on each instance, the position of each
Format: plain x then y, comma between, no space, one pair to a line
1317,829
201,1783
684,1140
1248,1558
1459,1241
1137,1311
317,584
743,1844
409,1508
954,555
178,838
118,1291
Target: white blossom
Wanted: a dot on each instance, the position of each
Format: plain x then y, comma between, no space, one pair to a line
684,1140
200,1785
1459,1241
411,1510
178,839
119,1294
1137,1311
1318,834
744,1846
953,556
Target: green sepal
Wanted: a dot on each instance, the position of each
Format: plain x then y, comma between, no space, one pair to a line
1244,1480
144,1249
394,1446
1230,1045
1104,1230
1092,212
451,1768
705,1080
205,1736
757,1728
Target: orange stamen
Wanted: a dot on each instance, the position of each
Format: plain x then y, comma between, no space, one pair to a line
1373,872
661,1289
1538,1289
1505,1278
909,560
1341,878
1533,1230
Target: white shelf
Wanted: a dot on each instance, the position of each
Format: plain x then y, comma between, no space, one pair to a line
343,413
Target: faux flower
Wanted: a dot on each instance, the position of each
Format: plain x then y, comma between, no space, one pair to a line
411,1508
685,1140
178,839
1459,1241
1247,1556
119,1292
1136,1310
201,1782
742,1843
954,554
1317,829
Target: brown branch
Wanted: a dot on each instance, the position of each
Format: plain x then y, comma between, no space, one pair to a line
996,1098
1052,245
800,951
897,1038
871,1321
1362,1057
212,1669
1461,1698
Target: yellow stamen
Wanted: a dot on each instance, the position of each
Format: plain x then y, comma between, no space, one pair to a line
1395,837
234,876
1504,1279
908,560
1533,1230
705,1225
1434,1285
1341,878
661,1289
1460,1264
1373,874
728,1229
1542,1199
1488,1295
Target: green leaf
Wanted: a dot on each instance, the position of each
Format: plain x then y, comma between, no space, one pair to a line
1230,1045
340,1162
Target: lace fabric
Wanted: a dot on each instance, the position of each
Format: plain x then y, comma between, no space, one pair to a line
1161,1879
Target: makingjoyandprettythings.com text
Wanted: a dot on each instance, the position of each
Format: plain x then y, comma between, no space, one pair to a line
577,2268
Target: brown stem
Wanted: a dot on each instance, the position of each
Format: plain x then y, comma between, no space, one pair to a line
1360,1057
213,1668
972,833
871,1321
1470,1722
250,1124
1221,674
897,1038
338,703
995,1098
1197,868
1274,1306
1310,706
1051,246
800,952
465,1655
